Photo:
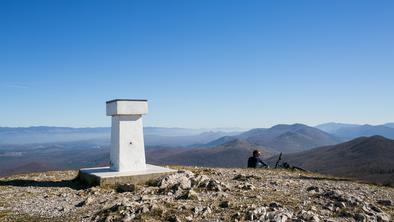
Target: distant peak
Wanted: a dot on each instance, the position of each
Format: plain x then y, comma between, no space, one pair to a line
289,126
377,137
373,139
298,124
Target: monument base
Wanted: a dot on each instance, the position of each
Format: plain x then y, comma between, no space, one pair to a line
104,176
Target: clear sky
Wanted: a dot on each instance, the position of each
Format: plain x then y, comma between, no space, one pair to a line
199,63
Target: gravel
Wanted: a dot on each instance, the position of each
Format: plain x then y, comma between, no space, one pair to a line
196,194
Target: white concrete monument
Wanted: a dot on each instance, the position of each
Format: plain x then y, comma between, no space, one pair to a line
127,153
127,136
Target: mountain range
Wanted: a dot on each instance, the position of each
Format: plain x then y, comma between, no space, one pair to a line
332,127
351,131
324,148
233,153
391,125
186,140
153,135
275,136
52,156
366,158
48,134
285,138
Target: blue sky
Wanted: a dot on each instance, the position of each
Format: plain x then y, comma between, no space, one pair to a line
199,63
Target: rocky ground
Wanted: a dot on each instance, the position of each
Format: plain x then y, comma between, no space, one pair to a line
196,194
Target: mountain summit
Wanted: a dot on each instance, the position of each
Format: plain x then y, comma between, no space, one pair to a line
196,194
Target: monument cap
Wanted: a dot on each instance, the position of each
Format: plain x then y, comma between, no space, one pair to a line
127,107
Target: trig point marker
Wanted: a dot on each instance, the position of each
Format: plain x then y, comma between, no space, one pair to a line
127,153
127,136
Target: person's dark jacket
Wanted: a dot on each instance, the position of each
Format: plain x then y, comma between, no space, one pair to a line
256,162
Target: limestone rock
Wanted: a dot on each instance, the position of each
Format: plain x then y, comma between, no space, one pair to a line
246,186
125,188
384,202
308,216
214,185
173,218
224,204
313,189
174,181
189,194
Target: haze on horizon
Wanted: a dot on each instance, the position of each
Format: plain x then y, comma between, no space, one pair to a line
201,64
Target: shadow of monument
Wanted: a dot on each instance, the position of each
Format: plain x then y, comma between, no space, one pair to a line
73,184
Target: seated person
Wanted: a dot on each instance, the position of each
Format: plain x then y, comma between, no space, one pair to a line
255,161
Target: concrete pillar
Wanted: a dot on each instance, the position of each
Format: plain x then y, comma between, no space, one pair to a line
127,153
127,138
